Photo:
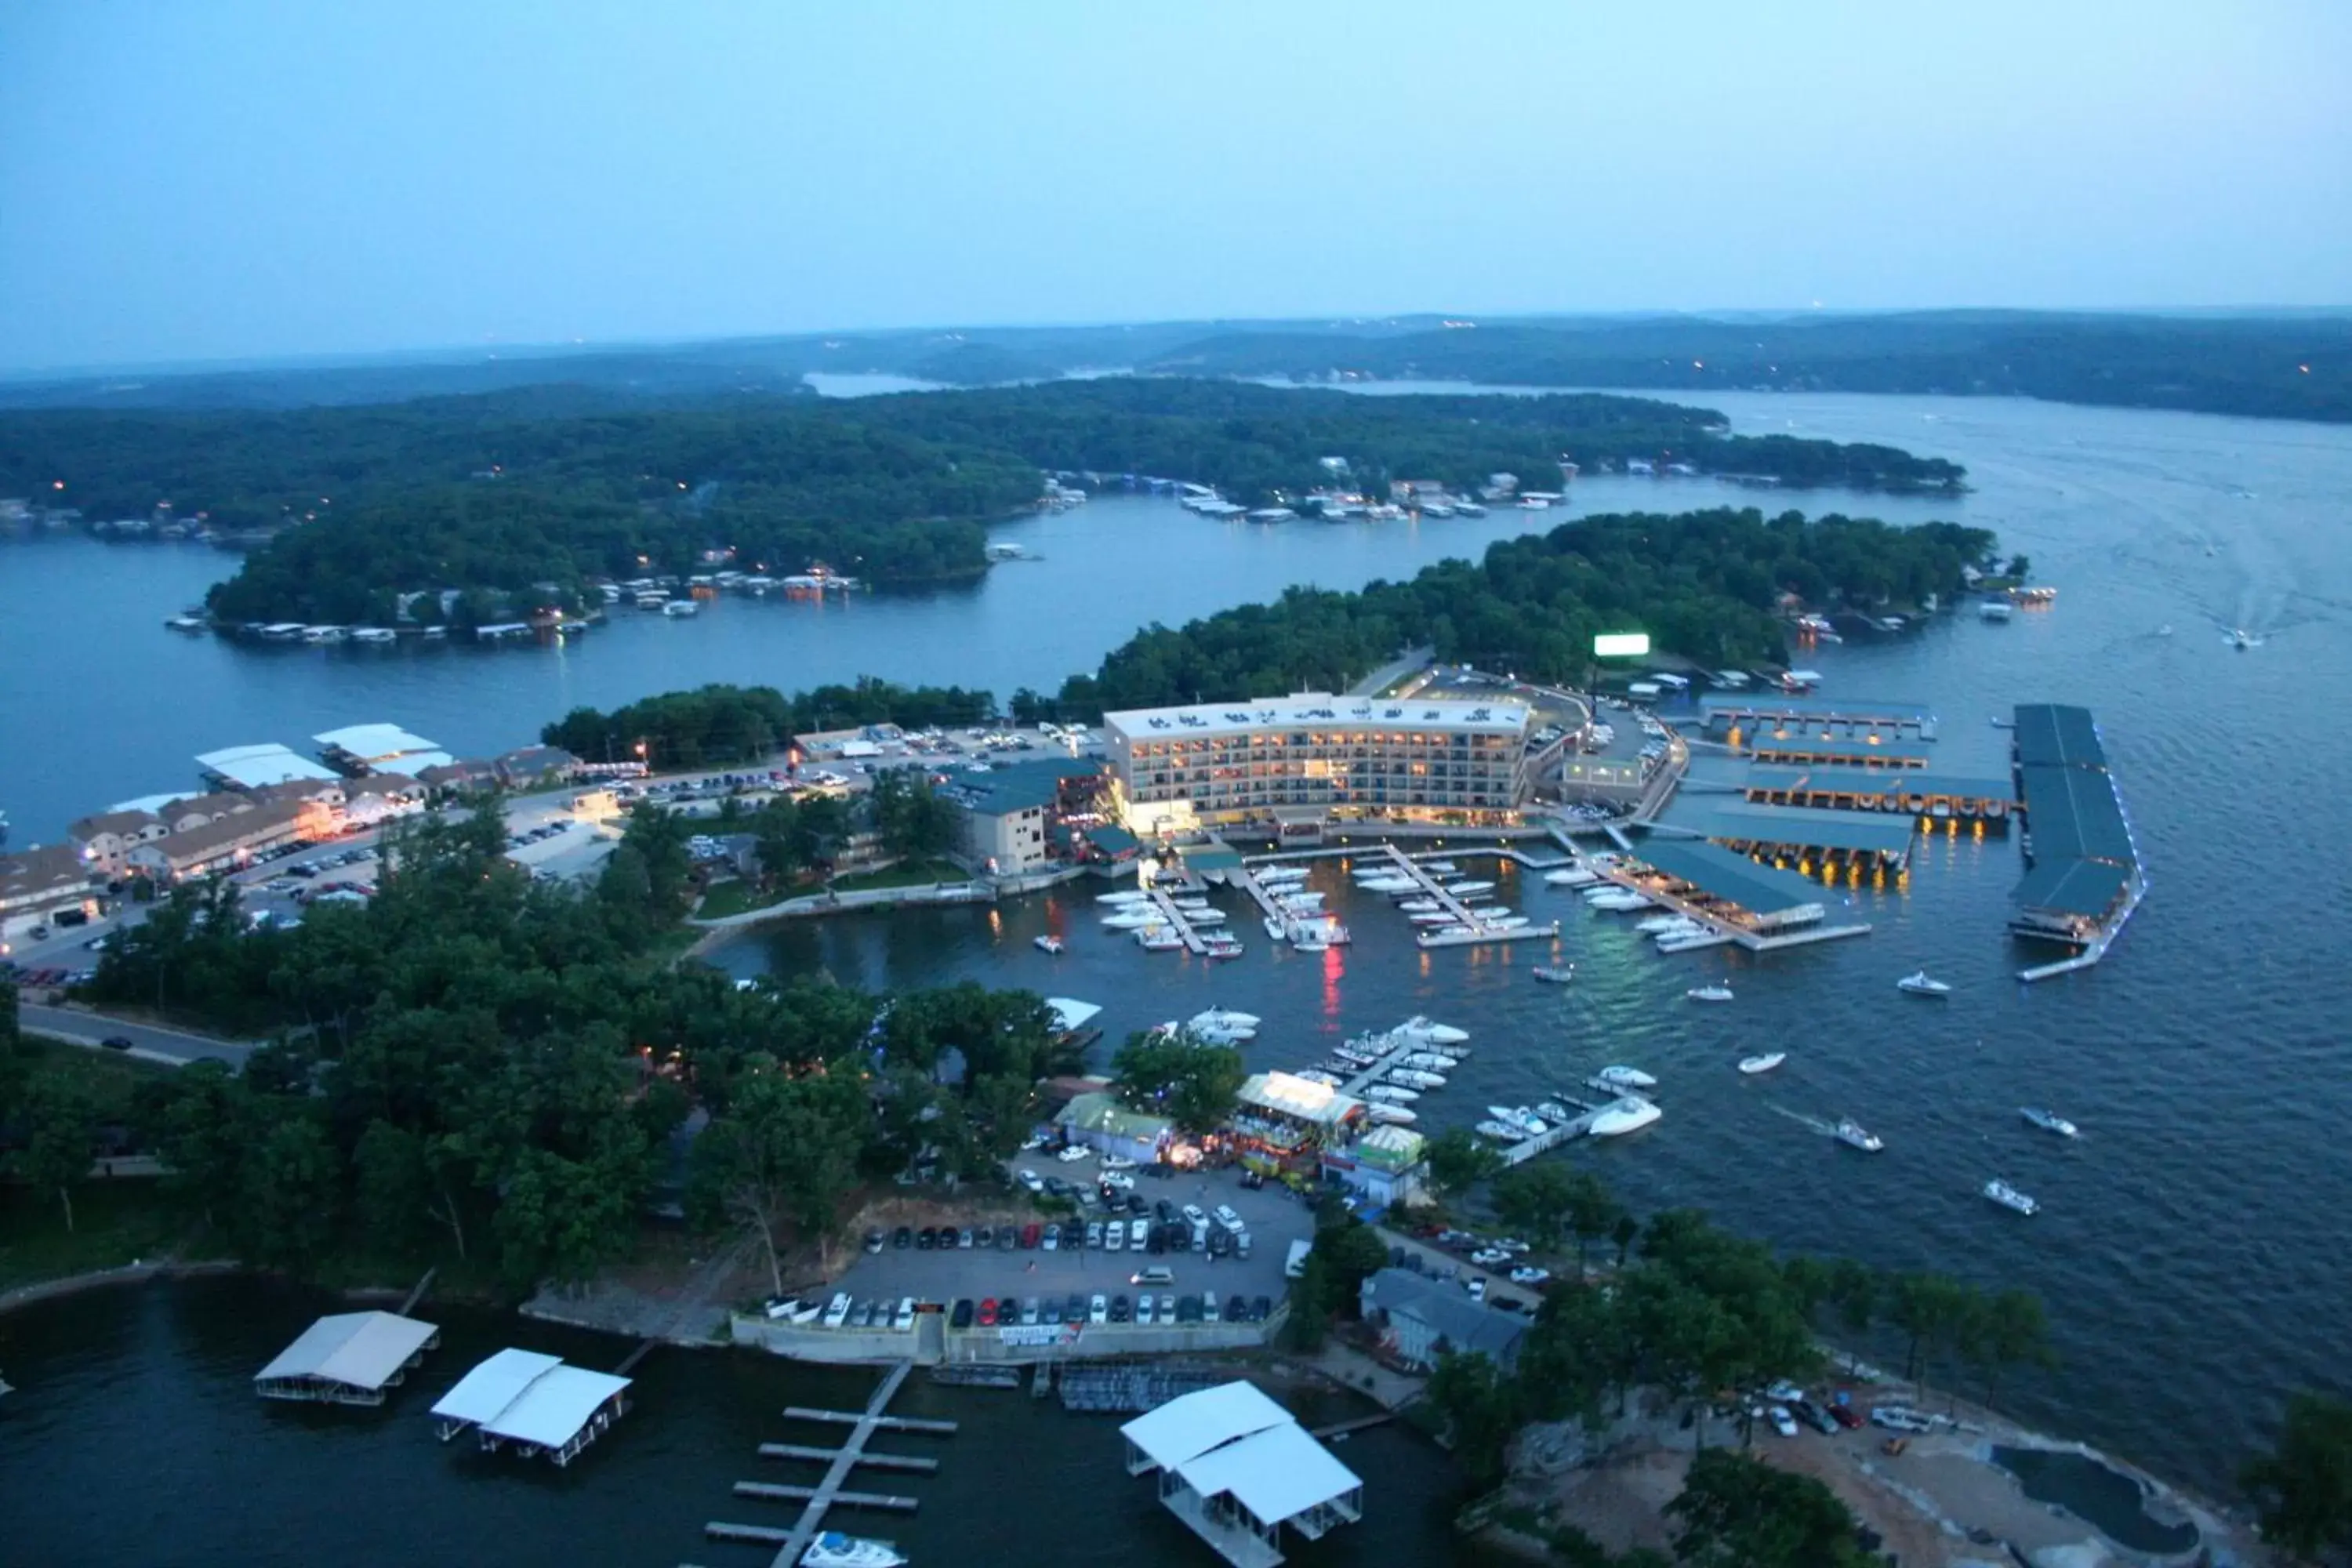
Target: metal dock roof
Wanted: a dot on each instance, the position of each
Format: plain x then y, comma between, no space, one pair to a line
1838,710
1827,778
2055,734
1814,828
1760,889
2087,887
494,1385
1893,749
2075,816
554,1406
362,1350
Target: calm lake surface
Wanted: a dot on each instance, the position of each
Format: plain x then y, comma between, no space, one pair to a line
2187,1246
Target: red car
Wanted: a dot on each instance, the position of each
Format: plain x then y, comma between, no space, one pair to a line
988,1312
1845,1416
1029,1234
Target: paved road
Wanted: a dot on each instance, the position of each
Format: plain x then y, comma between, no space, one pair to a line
150,1042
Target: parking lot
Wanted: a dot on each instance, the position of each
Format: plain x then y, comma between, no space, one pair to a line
1273,1217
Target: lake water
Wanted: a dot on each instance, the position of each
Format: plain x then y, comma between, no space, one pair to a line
2185,1245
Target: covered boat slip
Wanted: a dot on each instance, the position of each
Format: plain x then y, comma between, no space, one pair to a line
2071,814
2069,900
533,1402
2056,735
1917,792
1826,838
1802,748
1236,1468
2085,877
1826,717
1727,889
350,1358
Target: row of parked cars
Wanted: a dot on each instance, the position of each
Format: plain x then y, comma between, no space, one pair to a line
844,1312
1138,1230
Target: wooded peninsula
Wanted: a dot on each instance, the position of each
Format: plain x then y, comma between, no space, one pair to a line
516,501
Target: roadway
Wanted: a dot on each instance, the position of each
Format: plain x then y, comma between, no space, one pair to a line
171,1047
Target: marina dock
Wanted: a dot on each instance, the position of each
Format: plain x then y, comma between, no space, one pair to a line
1552,1138
1166,904
832,1491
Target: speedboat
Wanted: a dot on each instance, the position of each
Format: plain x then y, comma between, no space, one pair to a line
1424,1028
1130,896
2049,1120
1158,939
1273,929
1267,875
1395,1115
1751,1066
1440,867
1431,918
1619,1117
831,1549
1554,974
1572,876
1191,905
1920,985
1502,922
1459,889
1390,885
1709,992
1392,1093
1205,917
1627,1077
1688,941
2010,1198
1619,902
1428,1062
1519,1116
1655,925
1305,898
1854,1135
1213,948
1415,1077
1420,906
1133,918
1226,1018
1499,1130
1050,944
1313,941
1555,1110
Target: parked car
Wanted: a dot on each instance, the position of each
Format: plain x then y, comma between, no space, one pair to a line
1136,1231
1031,1180
1098,1310
1145,1312
1029,1235
1007,1237
1261,1309
1208,1307
122,1043
1845,1416
1192,1215
1117,1180
1782,1422
1121,1308
987,1312
1028,1312
961,1317
1072,1154
1115,1238
873,1238
1050,1238
926,1240
1236,1310
1094,1233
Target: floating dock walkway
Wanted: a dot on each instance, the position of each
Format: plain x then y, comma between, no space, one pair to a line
832,1491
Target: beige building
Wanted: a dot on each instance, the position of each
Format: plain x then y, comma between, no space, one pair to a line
1317,756
106,840
35,884
229,842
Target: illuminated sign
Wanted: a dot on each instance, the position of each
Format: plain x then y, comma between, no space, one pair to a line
1621,644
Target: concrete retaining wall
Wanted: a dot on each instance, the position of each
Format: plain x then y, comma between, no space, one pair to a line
1094,1340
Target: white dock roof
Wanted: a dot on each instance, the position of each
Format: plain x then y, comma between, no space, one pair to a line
251,767
1069,1013
1274,1474
373,742
362,1350
408,764
494,1385
555,1405
1183,1429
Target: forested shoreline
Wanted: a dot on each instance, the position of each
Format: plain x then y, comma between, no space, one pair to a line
517,501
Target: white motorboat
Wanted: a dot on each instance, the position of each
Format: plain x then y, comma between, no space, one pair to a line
1134,918
1050,944
1854,1135
1572,876
1273,929
1268,875
1192,906
1420,906
1313,940
1599,891
1499,1130
831,1549
1920,985
1519,1116
1751,1066
1429,1061
1461,889
1390,885
2010,1198
1226,1018
1709,992
1395,1115
1996,609
1394,1093
1431,918
1424,1028
1440,867
1689,941
1502,922
1205,917
1158,939
1219,945
1305,899
1619,1117
1627,1077
1417,1077
1555,1110
2049,1120
1618,903
1130,896
1554,974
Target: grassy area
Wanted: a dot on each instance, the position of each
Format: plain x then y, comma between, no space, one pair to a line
906,874
737,896
109,1077
114,1223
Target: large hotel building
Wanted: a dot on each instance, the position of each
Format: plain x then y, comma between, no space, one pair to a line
1312,757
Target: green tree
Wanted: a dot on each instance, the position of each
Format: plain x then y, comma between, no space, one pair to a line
1477,1408
1930,1309
1592,1213
784,1155
2303,1485
2005,1329
1459,1160
1735,1511
61,1133
1535,1201
1177,1076
289,1184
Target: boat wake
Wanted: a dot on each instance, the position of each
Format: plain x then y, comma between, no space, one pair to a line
1826,1128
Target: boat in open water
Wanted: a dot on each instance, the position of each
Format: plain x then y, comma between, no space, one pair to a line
2049,1120
1554,974
1751,1066
1709,992
1920,985
2010,1198
1619,1117
1854,1135
1050,944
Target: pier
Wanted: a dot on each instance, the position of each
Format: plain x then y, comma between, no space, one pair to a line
1166,904
1552,1137
832,1491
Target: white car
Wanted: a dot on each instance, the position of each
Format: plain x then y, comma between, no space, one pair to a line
1782,1422
1143,1310
1116,1162
1490,1256
1032,1181
1529,1275
1119,1179
1192,1215
836,1311
1099,1311
1072,1154
1114,1237
1139,1234
904,1319
1476,1286
1784,1393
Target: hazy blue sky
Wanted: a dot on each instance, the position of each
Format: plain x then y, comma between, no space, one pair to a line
219,178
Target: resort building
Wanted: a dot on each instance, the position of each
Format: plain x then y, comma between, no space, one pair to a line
1319,758
1728,888
1099,1121
1384,1167
1007,820
1419,1319
228,842
35,884
1235,1468
1286,1117
105,841
357,750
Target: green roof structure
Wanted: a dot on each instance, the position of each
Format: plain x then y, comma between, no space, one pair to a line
1856,832
1734,879
2075,816
2055,735
2088,889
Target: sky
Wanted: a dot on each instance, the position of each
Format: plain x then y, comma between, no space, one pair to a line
205,180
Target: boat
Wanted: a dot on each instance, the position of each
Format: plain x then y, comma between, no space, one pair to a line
1709,992
1751,1066
1313,941
1417,1077
1303,899
1625,1077
2010,1198
1920,985
1553,975
190,621
1227,949
1571,877
679,609
1158,939
1134,918
1396,1115
1440,867
1503,922
831,1549
1502,1132
1420,906
1996,609
1130,896
1619,1117
2049,1120
1689,941
1430,1061
1619,903
1424,1029
1554,1110
1854,1135
1273,929
1519,1116
1267,874
1051,944
1226,1018
1431,918
1658,925
1204,917
1461,889
1390,885
1392,1093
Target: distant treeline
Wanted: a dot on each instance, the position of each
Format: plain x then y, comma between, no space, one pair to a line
517,501
1707,586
